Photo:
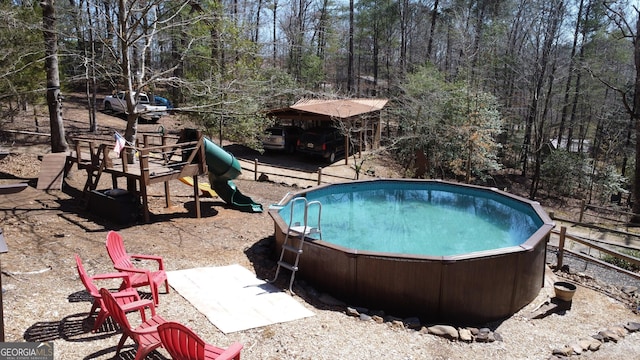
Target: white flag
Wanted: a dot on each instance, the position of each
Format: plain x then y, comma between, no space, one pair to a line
120,143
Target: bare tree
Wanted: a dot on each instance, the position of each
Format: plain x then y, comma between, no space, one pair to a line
138,25
351,49
54,97
549,23
633,107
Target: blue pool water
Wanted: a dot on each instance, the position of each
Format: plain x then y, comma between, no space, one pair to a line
418,218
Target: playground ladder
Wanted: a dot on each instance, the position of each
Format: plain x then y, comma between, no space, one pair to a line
294,239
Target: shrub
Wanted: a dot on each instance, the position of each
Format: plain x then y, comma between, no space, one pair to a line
621,263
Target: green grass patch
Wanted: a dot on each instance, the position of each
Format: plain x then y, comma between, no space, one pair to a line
621,263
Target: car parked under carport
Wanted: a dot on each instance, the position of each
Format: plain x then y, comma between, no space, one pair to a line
281,138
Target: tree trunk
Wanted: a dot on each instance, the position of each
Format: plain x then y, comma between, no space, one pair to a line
132,117
404,23
350,59
432,28
540,137
257,32
565,103
636,119
553,19
91,74
275,28
54,98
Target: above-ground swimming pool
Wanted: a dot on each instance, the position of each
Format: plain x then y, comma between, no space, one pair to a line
437,250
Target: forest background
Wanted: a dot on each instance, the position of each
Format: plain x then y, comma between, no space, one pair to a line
549,89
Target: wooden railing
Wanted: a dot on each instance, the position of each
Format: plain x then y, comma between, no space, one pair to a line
158,161
316,176
562,249
609,215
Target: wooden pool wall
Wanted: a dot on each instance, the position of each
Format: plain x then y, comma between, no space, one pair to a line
473,288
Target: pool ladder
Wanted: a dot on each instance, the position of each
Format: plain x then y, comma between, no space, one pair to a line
294,239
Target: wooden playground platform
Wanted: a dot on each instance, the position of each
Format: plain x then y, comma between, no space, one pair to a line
158,159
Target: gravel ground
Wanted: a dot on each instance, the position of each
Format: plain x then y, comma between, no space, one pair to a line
45,301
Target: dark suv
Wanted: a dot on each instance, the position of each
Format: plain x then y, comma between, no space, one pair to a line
324,142
282,138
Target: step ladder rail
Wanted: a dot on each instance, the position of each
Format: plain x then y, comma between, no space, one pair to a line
291,230
314,230
297,232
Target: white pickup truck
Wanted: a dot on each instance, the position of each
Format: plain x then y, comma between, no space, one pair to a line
118,104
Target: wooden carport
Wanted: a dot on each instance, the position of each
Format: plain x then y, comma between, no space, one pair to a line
356,116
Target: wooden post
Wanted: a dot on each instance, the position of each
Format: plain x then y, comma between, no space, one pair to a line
582,205
164,149
78,153
3,249
202,156
167,194
346,148
144,180
196,196
255,169
319,175
361,141
563,232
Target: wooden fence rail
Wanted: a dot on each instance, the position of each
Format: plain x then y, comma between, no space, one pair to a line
620,216
264,169
563,237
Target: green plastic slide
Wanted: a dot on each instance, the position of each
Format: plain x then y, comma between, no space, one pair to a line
223,167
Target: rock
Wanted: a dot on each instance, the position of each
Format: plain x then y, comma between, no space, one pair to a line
352,311
497,336
577,348
584,343
465,335
609,335
589,344
629,290
565,351
632,326
391,318
412,323
486,337
446,331
397,324
595,345
365,317
474,330
377,319
619,330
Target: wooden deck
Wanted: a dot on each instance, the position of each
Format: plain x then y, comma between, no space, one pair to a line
158,159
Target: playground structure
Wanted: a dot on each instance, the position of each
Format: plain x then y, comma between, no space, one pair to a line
159,159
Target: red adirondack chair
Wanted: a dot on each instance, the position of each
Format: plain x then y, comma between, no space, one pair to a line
122,261
183,344
145,334
123,297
